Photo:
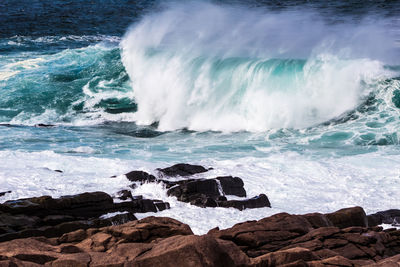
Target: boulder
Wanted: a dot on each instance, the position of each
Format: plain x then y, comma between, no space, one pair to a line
192,251
182,169
140,176
348,217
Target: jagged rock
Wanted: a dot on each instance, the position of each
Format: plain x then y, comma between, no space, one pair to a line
182,169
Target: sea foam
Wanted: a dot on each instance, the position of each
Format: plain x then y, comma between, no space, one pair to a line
203,66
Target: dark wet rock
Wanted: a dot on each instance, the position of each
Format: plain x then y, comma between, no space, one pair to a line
46,216
124,195
260,201
387,217
140,176
43,125
60,171
121,218
160,205
182,169
188,191
206,193
232,186
3,193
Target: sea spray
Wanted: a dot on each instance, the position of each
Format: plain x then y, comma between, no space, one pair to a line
208,67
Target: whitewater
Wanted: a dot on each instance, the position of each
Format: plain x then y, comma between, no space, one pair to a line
301,102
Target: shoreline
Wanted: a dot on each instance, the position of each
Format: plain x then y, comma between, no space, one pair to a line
347,237
98,229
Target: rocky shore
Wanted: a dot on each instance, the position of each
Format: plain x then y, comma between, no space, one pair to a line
98,229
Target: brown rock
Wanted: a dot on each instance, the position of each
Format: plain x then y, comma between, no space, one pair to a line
350,251
75,236
72,260
338,261
389,262
321,233
284,257
69,249
335,242
318,220
190,251
348,217
357,238
150,228
130,250
99,259
325,253
362,262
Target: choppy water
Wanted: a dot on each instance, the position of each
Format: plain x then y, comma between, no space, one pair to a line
299,99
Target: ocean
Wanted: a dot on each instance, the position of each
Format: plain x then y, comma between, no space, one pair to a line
301,99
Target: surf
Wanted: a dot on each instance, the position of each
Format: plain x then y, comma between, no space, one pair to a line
204,66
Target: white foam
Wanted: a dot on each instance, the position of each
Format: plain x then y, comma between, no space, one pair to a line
197,61
294,183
